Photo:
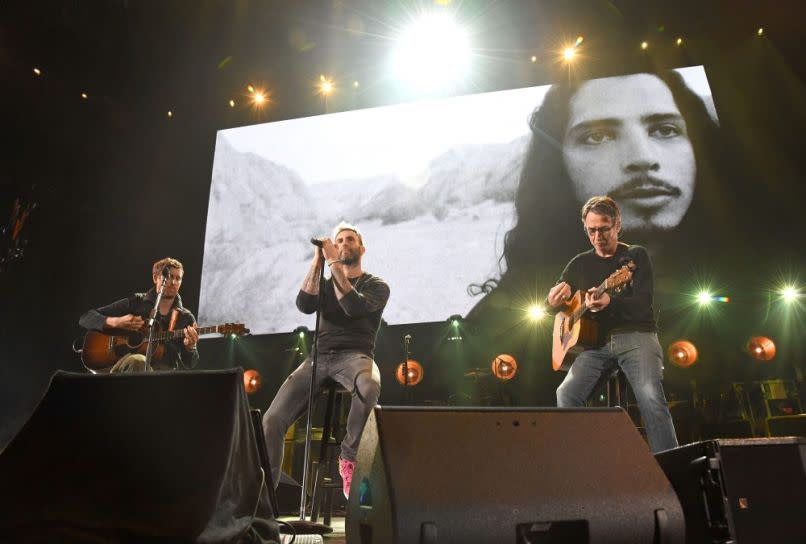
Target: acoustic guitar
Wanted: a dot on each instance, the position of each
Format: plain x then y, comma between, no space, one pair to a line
573,332
102,349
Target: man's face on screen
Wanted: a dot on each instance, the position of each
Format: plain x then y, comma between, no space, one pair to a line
627,139
349,247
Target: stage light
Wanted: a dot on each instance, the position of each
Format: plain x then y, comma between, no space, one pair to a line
760,31
301,331
414,370
644,45
233,336
579,41
504,367
170,114
252,381
431,54
355,84
250,88
704,298
536,312
761,348
232,103
326,86
84,96
682,353
568,54
679,41
37,72
534,58
789,294
259,98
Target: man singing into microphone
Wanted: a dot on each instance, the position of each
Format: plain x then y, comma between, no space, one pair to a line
352,304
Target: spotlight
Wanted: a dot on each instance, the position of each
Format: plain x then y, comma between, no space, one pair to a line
761,348
37,72
433,53
84,96
704,298
679,42
355,84
252,381
644,45
789,294
232,103
414,370
569,53
534,58
250,88
682,353
760,31
536,312
326,86
259,98
233,336
504,367
301,331
579,41
170,114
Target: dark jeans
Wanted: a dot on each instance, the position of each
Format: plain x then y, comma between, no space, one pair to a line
641,359
354,371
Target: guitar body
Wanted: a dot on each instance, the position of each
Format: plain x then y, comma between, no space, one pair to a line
572,336
102,350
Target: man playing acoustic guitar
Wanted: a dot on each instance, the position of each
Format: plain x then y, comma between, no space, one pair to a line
130,314
628,337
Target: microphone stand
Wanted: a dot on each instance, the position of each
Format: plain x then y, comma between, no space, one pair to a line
406,356
152,321
303,526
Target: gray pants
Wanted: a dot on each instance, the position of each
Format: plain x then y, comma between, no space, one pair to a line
354,371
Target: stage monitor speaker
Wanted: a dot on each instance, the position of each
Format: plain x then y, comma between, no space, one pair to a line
741,490
524,476
136,457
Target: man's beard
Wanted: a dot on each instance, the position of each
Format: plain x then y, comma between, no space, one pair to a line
350,260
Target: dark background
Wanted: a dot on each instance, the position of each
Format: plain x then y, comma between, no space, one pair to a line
119,185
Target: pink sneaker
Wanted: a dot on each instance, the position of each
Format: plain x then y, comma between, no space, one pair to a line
346,469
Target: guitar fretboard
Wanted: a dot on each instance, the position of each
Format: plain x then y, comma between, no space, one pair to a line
170,335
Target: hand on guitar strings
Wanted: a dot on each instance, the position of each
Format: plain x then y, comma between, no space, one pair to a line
191,337
596,304
559,294
129,322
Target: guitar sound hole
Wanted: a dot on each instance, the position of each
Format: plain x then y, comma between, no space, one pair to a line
135,339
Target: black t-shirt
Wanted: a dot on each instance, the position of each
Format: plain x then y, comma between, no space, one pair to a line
349,324
629,310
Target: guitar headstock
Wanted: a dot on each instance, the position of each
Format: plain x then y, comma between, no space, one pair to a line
621,277
236,329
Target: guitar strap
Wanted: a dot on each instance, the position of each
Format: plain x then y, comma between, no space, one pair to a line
174,317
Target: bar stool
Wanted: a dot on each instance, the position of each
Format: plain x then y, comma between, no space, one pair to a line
614,386
327,480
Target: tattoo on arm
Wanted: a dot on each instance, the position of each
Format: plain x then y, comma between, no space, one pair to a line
310,284
340,282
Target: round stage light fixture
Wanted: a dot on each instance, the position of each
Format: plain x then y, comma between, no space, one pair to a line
761,348
789,294
682,353
504,367
252,381
432,53
415,373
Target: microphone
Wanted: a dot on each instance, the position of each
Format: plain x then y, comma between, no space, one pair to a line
165,272
407,338
316,242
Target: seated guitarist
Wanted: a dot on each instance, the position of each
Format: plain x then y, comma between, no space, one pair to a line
628,333
131,314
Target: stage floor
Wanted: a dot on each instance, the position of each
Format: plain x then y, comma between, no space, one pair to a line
336,537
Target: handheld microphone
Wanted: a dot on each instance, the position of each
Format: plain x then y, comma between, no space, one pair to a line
165,272
316,242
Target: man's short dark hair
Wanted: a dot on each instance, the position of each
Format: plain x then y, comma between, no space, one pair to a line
601,205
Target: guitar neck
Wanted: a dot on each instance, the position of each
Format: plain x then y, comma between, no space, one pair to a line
172,335
579,312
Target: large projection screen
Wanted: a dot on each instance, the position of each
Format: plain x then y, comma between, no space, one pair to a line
430,184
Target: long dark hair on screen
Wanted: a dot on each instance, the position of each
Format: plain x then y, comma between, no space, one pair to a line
547,229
